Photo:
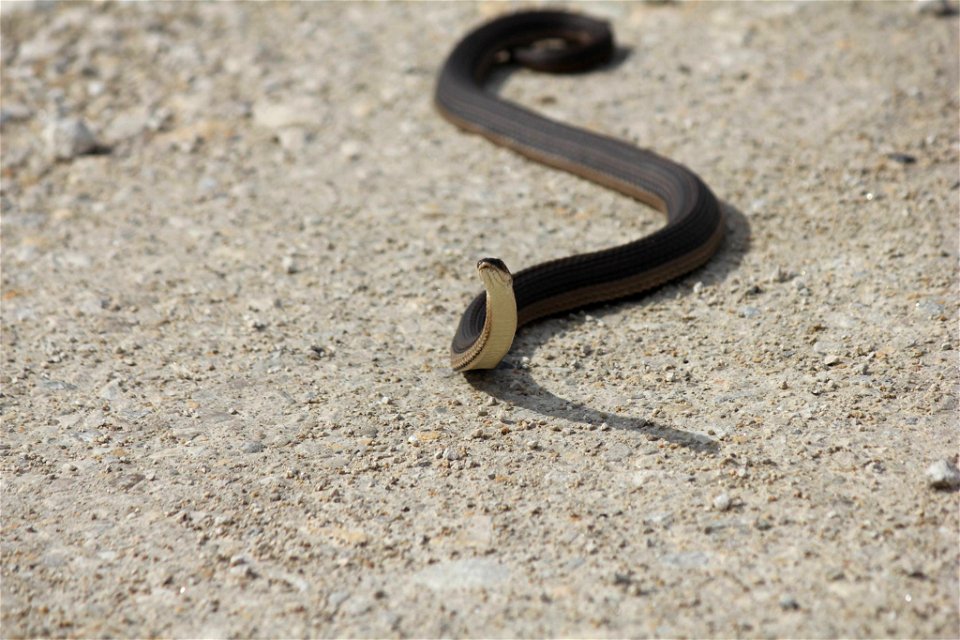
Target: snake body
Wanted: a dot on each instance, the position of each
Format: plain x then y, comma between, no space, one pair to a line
557,41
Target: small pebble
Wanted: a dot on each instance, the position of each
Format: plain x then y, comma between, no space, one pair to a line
943,474
273,115
252,447
14,113
930,309
37,49
722,502
293,139
336,598
351,149
125,125
789,603
902,158
239,559
780,275
69,138
111,391
207,186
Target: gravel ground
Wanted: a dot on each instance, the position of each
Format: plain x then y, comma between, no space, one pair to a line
237,240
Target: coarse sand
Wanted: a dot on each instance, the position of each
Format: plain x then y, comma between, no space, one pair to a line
237,239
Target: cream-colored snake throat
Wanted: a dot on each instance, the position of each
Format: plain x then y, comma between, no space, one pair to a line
557,41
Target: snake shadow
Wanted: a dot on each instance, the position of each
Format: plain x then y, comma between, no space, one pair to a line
516,385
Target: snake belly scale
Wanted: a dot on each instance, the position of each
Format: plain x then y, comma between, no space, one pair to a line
556,41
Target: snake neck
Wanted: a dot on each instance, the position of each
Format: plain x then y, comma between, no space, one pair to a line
499,327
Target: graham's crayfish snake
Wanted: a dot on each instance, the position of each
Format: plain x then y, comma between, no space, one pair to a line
558,42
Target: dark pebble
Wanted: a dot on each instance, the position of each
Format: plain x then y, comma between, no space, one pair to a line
902,158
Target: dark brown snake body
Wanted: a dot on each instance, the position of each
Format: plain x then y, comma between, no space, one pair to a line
694,226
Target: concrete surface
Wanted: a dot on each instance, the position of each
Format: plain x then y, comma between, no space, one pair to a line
237,240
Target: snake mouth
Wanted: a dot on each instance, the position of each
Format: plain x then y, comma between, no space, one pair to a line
494,271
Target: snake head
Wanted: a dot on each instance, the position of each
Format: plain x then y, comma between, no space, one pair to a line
493,272
487,328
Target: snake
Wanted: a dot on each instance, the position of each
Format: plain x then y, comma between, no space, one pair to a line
565,42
